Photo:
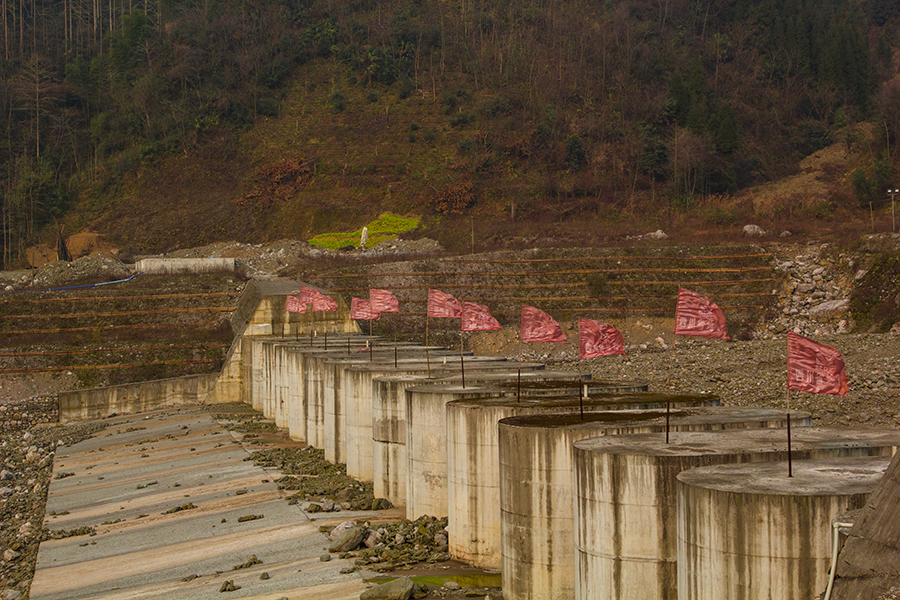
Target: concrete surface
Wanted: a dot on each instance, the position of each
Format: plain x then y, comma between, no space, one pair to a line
143,465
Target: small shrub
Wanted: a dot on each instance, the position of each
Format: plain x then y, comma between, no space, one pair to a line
466,146
453,198
462,118
338,102
372,97
720,216
430,135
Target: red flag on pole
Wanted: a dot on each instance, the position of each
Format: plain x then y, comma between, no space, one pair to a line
696,315
477,317
293,304
538,326
362,309
814,367
383,301
597,339
319,301
443,305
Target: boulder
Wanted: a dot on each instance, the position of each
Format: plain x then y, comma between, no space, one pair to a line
830,310
398,589
348,540
753,230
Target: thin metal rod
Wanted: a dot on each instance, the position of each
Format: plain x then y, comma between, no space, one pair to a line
789,453
371,340
790,462
668,412
519,385
462,364
427,358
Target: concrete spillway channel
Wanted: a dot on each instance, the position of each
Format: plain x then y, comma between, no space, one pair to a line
426,425
625,510
538,527
168,494
723,552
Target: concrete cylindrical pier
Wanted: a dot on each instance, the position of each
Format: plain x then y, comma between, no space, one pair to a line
333,396
389,458
295,356
750,532
426,437
538,526
357,401
625,516
473,456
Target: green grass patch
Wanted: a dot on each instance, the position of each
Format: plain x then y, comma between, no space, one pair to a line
383,228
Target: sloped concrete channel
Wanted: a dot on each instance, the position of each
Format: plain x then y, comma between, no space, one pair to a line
143,466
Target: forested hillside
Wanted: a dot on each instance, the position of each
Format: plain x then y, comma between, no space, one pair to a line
181,122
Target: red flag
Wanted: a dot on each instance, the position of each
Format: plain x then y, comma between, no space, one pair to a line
293,304
443,305
383,301
538,326
696,315
305,295
362,309
320,302
814,367
598,339
477,317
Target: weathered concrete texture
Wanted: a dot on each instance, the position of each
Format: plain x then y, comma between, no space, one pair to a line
97,403
139,468
335,401
183,266
358,392
746,530
869,562
538,527
473,456
260,311
625,517
426,430
389,456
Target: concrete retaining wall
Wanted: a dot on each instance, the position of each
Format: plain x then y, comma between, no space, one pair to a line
97,403
181,266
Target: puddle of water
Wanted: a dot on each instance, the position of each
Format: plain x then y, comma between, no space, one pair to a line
467,581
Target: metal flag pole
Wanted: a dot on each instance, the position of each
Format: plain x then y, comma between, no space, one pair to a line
427,358
790,462
371,339
462,364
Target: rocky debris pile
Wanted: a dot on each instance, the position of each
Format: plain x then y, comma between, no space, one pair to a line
323,486
401,246
100,267
404,588
398,545
25,414
815,298
27,463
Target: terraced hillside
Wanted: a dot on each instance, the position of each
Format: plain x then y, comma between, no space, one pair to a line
572,283
149,327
